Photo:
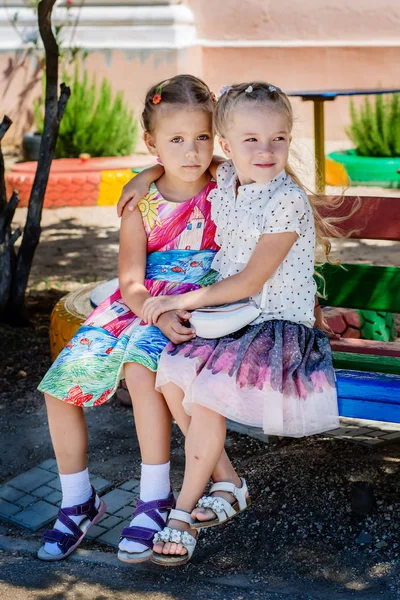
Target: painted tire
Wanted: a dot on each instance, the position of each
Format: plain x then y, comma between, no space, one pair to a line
377,325
68,315
361,324
369,170
345,322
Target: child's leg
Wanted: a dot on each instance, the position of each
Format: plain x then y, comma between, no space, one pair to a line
69,436
203,447
153,427
173,395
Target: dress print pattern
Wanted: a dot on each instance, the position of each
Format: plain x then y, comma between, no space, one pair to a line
181,248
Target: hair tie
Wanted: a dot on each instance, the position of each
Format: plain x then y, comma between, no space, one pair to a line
249,89
213,97
225,89
157,96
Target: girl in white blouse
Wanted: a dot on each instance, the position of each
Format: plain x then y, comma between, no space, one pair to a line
275,373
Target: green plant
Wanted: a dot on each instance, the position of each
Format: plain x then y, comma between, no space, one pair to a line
375,129
93,122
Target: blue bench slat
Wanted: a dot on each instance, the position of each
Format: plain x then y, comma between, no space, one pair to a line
364,395
365,409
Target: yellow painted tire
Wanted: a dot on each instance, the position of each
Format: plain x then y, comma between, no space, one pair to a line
68,315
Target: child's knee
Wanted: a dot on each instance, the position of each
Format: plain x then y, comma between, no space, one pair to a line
138,377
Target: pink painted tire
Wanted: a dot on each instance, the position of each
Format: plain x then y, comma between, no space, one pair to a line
76,181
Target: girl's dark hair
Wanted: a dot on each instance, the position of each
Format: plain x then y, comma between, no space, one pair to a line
183,90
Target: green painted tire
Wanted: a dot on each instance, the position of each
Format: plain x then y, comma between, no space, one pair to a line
377,325
369,170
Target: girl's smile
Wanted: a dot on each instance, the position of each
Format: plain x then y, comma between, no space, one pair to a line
257,141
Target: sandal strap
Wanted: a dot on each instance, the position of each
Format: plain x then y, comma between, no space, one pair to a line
69,523
221,507
152,508
87,508
238,493
68,539
143,535
180,515
179,537
63,540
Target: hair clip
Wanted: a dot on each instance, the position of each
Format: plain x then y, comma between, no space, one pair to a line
249,89
157,96
272,88
225,89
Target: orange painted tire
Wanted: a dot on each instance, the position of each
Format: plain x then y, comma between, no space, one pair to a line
68,315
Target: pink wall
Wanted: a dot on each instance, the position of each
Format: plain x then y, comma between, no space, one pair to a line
309,44
309,20
307,68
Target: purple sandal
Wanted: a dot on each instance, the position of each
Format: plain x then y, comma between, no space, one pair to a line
144,535
68,542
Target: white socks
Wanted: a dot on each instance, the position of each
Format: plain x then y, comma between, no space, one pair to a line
154,485
75,489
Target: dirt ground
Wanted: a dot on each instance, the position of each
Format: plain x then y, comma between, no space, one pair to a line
300,527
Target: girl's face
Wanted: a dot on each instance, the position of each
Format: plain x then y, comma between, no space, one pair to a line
183,139
257,141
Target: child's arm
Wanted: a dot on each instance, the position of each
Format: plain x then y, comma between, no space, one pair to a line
321,323
137,187
132,261
131,274
266,258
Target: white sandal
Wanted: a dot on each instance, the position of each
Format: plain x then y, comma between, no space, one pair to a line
224,511
179,537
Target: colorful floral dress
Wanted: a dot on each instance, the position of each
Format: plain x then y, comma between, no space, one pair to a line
277,372
181,248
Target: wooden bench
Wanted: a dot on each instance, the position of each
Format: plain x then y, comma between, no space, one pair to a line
368,372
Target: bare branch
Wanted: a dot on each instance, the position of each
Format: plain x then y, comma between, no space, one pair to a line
5,126
62,102
7,214
13,238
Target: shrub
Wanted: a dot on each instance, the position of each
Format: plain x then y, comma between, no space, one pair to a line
375,129
93,123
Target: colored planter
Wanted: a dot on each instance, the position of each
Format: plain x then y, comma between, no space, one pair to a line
369,170
78,181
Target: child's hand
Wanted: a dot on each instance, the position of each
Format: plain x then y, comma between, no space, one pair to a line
131,194
157,305
321,323
137,187
172,325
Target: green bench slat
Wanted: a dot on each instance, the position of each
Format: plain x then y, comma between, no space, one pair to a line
366,362
361,286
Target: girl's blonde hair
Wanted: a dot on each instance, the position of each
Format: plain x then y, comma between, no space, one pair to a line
271,97
182,91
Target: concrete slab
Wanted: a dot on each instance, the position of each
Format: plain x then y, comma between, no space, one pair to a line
31,480
35,517
117,499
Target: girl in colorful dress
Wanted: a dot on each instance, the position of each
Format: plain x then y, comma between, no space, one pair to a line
276,372
165,248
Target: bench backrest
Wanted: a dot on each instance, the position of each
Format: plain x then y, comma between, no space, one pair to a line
366,286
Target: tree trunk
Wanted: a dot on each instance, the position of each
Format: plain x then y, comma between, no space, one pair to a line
54,110
7,238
